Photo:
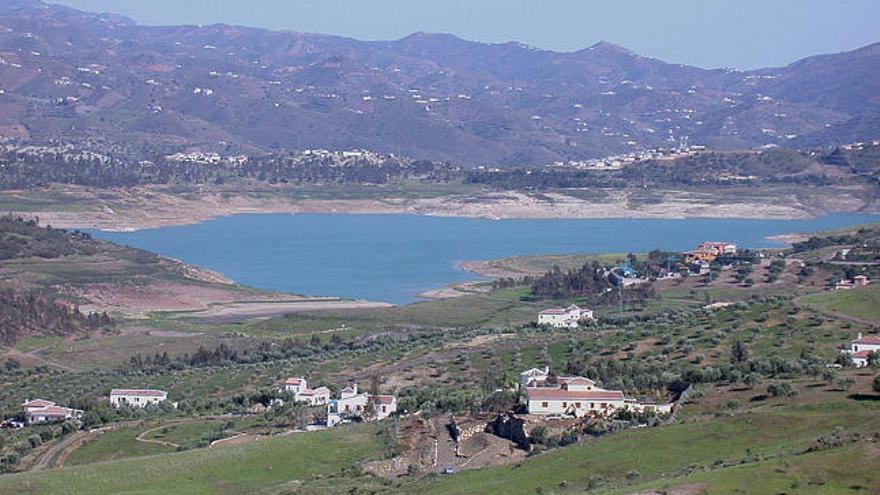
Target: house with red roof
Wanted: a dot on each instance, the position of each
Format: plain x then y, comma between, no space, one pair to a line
384,405
45,411
574,396
861,347
302,393
133,397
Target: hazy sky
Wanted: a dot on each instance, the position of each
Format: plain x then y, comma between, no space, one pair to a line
707,33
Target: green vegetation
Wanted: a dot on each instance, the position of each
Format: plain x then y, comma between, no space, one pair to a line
265,466
863,303
669,452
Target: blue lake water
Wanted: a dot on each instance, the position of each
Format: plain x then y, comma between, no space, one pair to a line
395,257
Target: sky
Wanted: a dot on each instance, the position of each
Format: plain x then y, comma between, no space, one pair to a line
743,34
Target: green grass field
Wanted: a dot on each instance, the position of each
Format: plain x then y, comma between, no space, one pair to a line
658,454
267,466
863,303
116,444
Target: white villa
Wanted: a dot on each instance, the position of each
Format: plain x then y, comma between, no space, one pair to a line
385,405
44,411
302,393
352,403
136,397
574,396
860,347
569,317
533,377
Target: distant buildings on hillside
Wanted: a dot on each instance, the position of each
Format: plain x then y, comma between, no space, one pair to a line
578,396
569,317
861,348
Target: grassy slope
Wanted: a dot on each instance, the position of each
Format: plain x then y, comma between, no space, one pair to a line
850,469
665,452
112,445
861,303
261,467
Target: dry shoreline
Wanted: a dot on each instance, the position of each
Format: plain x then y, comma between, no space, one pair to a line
151,207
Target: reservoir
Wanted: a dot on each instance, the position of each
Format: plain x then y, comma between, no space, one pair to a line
393,258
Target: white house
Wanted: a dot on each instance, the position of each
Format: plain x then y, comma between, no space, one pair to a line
302,393
574,396
533,376
860,347
136,397
44,411
352,403
384,405
569,317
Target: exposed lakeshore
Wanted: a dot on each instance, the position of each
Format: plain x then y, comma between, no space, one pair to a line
152,207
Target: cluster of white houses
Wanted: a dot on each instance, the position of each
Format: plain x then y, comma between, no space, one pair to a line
351,402
569,317
577,396
861,347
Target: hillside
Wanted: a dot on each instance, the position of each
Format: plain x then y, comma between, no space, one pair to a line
105,82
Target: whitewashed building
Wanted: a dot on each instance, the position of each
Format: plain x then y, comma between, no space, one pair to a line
352,403
384,405
574,396
533,376
861,347
302,393
136,397
569,317
44,411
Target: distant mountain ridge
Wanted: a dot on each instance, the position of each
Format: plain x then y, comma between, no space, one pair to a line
104,81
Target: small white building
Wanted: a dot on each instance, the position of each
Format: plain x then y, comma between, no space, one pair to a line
384,405
352,403
302,393
569,317
532,377
136,397
574,396
861,347
44,411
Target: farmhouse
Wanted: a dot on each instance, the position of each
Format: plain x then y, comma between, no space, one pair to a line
354,404
302,393
533,377
44,411
350,402
136,397
384,405
569,317
574,396
861,347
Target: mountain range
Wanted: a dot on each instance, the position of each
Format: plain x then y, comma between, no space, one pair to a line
104,81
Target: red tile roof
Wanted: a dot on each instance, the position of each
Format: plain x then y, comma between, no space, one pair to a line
861,354
293,381
141,392
384,399
542,393
53,411
38,403
869,340
553,311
